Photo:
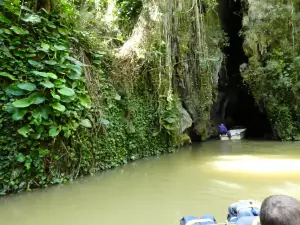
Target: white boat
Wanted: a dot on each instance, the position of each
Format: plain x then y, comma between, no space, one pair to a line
236,134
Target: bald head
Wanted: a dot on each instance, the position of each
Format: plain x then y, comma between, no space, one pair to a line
280,210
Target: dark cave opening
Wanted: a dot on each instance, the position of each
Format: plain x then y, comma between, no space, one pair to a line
240,108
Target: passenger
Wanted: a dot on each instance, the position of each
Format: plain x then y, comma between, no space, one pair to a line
223,130
280,210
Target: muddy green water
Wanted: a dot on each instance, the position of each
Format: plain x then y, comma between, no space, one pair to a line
199,179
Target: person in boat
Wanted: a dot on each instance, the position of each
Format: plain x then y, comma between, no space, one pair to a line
223,130
275,210
280,210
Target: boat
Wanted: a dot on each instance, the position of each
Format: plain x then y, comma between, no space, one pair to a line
239,213
236,134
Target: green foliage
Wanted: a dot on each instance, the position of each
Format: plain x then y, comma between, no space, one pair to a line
129,9
273,73
42,93
128,12
50,130
62,113
45,84
129,128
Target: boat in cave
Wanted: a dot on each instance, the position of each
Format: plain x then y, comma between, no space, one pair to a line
236,134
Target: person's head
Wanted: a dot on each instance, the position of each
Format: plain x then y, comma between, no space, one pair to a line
280,210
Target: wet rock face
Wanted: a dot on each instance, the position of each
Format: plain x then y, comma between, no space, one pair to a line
185,119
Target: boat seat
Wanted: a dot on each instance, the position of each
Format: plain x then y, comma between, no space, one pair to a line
204,220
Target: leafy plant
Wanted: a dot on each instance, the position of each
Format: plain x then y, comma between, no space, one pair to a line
43,92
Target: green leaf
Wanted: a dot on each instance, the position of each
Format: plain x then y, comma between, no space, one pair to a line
27,165
20,158
66,91
62,31
19,30
59,83
59,107
45,112
40,112
7,31
76,68
74,60
4,20
45,46
55,95
14,90
19,114
60,47
51,25
46,75
41,74
36,98
53,131
74,75
86,123
27,86
51,75
34,63
24,131
50,62
118,97
85,101
47,84
22,103
5,74
67,99
37,113
9,108
40,130
32,18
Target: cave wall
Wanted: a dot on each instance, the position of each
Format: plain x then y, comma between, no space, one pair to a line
236,105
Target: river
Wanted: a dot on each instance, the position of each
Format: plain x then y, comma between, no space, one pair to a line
198,179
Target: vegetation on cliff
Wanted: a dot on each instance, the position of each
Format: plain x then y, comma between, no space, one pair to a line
90,85
271,29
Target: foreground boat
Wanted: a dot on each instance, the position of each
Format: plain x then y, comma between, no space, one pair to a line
236,134
239,213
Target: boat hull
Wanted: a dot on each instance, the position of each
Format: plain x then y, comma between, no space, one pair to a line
237,134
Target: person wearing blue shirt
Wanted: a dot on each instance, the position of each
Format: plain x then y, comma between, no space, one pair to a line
223,130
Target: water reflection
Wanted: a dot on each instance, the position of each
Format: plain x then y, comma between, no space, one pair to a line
263,164
227,184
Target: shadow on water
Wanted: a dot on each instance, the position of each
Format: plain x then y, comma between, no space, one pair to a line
198,179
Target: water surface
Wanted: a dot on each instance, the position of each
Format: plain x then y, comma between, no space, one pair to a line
202,178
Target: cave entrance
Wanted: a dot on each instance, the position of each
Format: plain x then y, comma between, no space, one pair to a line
240,109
